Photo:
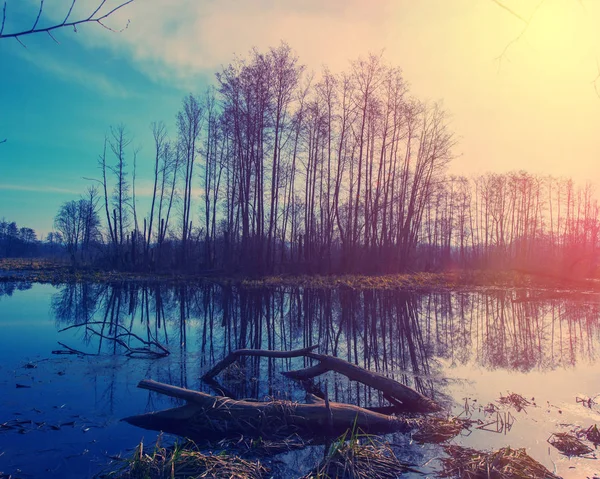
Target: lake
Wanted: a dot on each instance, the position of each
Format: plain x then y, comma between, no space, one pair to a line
70,361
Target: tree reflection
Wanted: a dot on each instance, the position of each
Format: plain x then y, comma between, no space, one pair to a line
405,335
7,288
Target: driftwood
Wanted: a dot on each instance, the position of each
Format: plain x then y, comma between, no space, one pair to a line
400,396
205,417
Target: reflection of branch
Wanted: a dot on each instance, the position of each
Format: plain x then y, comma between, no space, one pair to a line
131,352
93,18
69,350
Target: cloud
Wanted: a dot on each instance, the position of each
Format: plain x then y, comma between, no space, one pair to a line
38,189
75,73
184,41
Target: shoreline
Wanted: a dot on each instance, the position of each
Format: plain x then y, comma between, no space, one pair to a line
45,271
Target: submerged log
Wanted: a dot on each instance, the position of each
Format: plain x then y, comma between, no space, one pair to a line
400,395
207,417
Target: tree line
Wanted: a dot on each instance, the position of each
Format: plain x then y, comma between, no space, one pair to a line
275,169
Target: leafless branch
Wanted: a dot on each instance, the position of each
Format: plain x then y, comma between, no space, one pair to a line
3,18
95,17
38,15
53,38
509,10
3,141
526,21
69,12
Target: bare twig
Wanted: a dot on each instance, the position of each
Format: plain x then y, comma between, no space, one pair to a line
38,15
131,352
95,17
509,10
526,21
69,350
3,18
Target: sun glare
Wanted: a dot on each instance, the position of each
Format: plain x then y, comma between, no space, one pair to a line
562,33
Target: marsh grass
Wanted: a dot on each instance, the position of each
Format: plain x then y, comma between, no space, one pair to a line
505,463
359,456
434,430
184,461
515,400
264,447
52,271
569,444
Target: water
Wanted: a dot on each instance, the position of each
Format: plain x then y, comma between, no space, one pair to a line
62,411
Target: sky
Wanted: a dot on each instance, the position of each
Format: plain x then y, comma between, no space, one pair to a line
517,99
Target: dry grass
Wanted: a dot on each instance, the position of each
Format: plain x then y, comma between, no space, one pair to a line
436,430
264,447
505,463
51,271
569,444
185,462
515,400
358,457
592,434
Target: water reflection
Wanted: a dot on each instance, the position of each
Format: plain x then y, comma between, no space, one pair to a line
418,338
7,288
401,334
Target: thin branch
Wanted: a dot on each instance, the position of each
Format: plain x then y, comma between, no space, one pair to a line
3,141
509,10
527,22
70,10
93,18
3,18
53,38
38,15
97,9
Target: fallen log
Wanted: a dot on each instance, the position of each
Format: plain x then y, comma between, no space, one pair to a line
205,417
401,396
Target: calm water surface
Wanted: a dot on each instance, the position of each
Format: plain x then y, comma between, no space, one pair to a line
60,413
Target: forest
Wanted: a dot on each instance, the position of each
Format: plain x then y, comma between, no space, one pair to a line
278,170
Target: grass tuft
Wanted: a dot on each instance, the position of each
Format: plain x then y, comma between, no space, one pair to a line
186,461
568,444
505,463
358,456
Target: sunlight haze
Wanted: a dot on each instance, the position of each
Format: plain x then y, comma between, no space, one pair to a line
525,102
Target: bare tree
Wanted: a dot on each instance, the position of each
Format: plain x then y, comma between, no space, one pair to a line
98,16
77,222
121,198
189,125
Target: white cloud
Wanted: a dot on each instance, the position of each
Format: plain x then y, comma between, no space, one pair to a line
182,41
38,189
74,73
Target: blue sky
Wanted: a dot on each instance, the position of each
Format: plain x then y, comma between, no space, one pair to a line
57,103
537,110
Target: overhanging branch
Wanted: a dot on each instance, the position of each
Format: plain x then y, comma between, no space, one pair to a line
96,17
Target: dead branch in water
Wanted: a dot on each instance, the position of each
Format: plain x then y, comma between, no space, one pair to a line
205,417
145,352
235,355
402,397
